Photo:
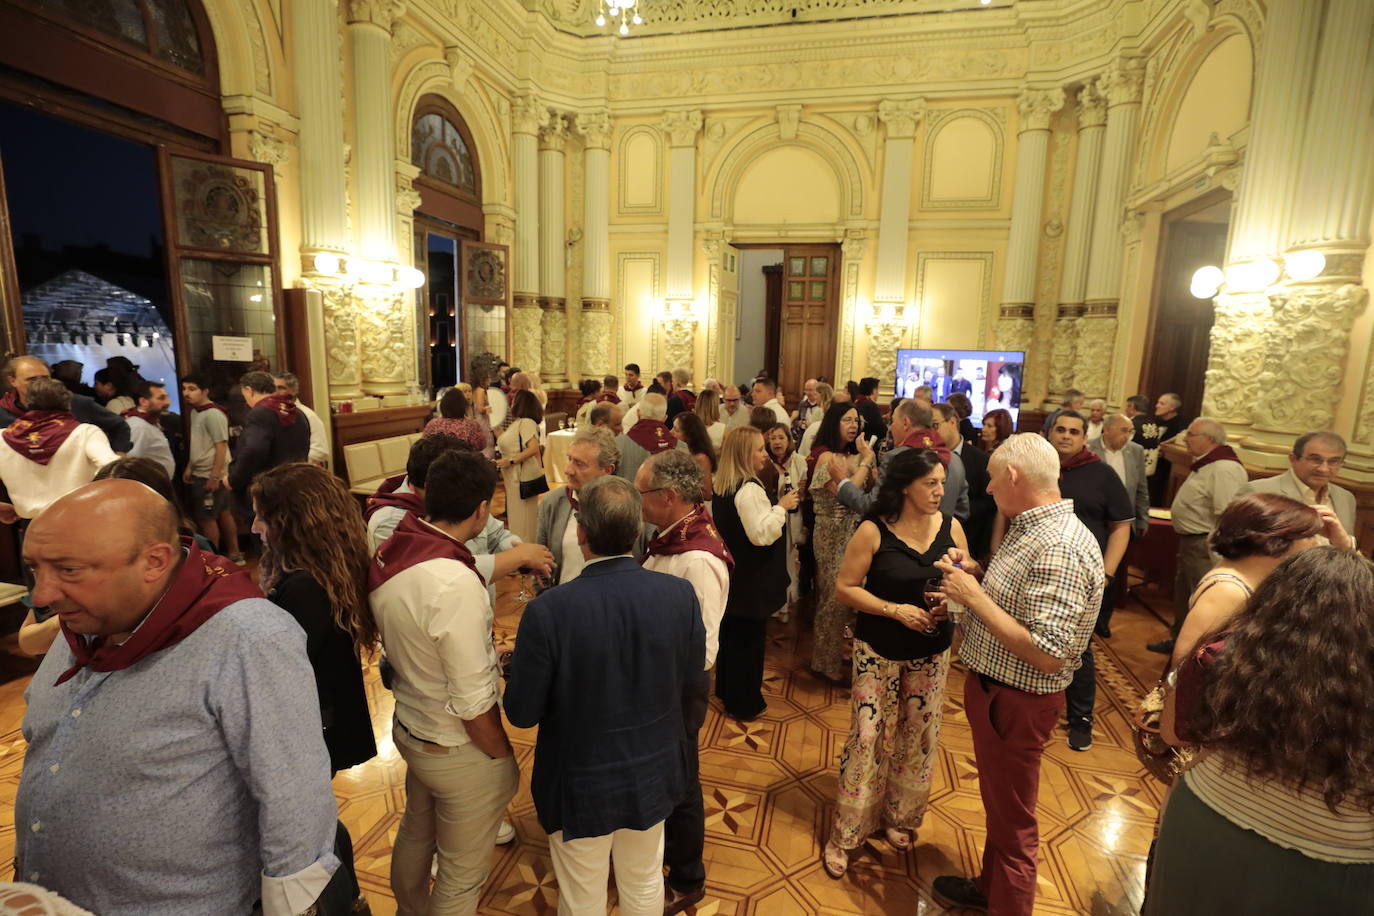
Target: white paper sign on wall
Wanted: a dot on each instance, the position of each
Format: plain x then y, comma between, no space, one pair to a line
232,349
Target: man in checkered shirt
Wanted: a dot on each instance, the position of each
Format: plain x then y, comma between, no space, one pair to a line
1025,629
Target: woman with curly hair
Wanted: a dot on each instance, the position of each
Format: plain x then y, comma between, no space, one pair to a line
835,522
1277,815
901,658
314,566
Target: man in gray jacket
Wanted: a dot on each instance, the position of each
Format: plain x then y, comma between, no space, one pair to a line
1313,464
1127,458
908,417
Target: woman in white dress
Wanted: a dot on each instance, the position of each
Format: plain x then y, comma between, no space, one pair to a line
519,461
708,408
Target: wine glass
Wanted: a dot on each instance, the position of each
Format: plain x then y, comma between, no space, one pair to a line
524,594
932,595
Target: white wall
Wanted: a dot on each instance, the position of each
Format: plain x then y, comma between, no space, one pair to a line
752,304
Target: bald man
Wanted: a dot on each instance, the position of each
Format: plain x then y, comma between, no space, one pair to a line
176,760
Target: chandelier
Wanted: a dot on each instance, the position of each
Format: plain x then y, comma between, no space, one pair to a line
626,11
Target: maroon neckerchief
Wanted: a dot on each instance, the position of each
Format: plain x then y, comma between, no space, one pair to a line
210,405
283,406
572,497
862,399
204,585
688,399
652,436
413,543
928,438
1085,456
10,402
387,495
633,388
141,414
1220,453
38,434
607,397
694,531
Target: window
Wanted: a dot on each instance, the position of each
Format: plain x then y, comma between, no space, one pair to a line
441,152
166,29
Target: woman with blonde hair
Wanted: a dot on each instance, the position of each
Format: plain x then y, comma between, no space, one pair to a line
752,527
314,566
708,408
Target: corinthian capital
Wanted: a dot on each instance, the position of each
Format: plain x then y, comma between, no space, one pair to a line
901,116
1122,83
1037,106
553,133
1092,107
595,127
527,113
381,13
681,127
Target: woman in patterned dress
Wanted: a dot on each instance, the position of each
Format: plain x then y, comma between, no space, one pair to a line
901,658
834,525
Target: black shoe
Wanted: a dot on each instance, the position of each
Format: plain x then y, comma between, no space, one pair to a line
676,901
1104,630
1163,647
960,891
1081,735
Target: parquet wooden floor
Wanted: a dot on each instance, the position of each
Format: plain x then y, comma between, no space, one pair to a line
769,788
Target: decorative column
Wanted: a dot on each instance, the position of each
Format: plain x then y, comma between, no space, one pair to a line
1278,116
1016,321
527,114
851,261
387,356
1097,326
595,128
553,136
900,118
679,324
1327,237
324,184
1092,115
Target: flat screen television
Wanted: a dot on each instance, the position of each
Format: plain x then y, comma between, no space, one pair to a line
990,378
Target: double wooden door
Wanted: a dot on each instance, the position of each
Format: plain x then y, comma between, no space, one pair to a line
803,317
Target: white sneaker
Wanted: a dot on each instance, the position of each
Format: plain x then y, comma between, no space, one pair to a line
505,834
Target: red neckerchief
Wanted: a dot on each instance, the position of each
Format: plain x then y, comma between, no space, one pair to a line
1086,456
141,414
387,495
10,402
38,434
607,397
283,406
572,497
1220,453
415,542
863,399
210,406
205,585
652,436
694,531
633,388
928,438
688,399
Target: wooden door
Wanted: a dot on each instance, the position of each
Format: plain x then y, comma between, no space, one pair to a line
810,299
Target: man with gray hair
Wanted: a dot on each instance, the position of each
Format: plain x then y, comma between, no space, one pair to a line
1313,464
1073,401
605,666
592,453
688,546
1164,424
1214,478
607,416
648,436
287,383
682,399
1025,629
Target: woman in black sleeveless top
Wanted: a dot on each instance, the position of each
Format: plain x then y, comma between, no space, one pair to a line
901,658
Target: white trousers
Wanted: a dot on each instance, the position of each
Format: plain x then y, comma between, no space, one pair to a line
583,866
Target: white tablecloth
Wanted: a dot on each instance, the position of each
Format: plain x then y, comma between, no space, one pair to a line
556,454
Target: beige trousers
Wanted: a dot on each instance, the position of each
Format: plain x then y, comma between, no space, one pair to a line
583,865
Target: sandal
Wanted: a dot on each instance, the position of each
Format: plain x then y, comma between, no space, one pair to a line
835,860
899,838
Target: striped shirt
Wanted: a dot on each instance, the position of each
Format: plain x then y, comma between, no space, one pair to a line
1047,575
1297,820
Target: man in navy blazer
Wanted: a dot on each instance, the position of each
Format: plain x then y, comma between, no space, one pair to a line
603,665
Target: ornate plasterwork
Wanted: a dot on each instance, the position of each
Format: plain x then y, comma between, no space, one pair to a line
407,198
460,67
553,133
596,338
681,127
340,336
269,150
1037,107
528,114
713,246
1307,339
1062,347
1236,357
993,119
553,342
901,116
700,15
386,347
526,336
884,339
381,13
788,117
679,337
1094,344
262,67
1092,106
1121,84
852,248
595,127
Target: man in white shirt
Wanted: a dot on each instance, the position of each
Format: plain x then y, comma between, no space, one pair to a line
1097,409
689,547
1313,464
47,453
633,389
1213,480
1127,458
145,427
435,621
287,383
766,395
808,410
732,410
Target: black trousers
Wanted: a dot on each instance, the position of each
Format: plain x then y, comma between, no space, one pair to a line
739,666
684,832
1081,694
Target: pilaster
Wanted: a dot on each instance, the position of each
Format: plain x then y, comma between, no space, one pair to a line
682,128
595,128
553,137
900,117
527,113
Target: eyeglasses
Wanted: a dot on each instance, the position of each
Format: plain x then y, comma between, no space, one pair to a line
1317,461
654,490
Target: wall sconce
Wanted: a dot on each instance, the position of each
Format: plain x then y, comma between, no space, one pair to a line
1206,281
1304,265
326,263
410,277
1252,276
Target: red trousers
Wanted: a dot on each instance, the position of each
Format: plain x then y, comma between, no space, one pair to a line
1010,728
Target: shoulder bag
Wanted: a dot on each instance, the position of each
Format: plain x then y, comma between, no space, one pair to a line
534,486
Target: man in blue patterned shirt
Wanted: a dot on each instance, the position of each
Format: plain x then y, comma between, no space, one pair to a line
176,761
1025,630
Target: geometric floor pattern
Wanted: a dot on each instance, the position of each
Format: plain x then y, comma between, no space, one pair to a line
769,789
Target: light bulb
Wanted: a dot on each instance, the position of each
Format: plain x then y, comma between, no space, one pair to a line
600,19
1304,265
1252,276
638,20
411,277
327,262
624,29
1206,282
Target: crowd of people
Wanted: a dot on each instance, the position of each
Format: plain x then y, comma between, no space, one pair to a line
689,517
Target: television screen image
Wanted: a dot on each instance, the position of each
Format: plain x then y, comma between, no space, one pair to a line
990,378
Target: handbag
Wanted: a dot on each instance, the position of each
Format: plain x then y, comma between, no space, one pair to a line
531,488
1162,760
